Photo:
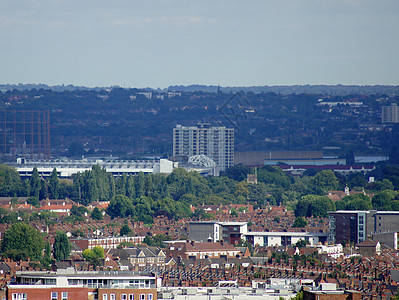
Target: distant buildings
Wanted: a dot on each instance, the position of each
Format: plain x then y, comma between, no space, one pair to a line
284,238
68,167
203,250
106,242
390,114
214,231
353,226
215,142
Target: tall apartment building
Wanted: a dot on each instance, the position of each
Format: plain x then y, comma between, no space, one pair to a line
390,114
216,142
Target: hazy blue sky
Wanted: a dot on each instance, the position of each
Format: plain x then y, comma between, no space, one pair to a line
157,43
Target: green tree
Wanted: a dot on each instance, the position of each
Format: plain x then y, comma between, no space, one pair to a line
238,173
355,202
313,205
35,184
62,246
22,238
47,255
33,201
54,185
125,230
94,256
301,243
323,182
96,214
300,222
382,200
10,182
120,206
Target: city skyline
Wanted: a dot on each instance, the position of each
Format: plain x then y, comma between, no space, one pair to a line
161,43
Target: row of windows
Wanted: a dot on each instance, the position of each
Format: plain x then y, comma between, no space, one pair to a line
125,297
64,296
54,296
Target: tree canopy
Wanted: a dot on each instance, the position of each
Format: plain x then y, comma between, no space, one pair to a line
22,239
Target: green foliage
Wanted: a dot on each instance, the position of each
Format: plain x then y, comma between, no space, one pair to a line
126,245
35,184
301,243
33,201
47,255
120,206
62,246
94,256
312,205
383,200
298,296
96,214
237,173
78,233
378,186
10,182
358,181
125,230
274,175
233,212
300,222
156,240
78,211
323,182
94,185
22,239
354,202
54,185
200,214
244,243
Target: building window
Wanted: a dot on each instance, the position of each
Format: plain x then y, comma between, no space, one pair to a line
131,297
149,297
64,296
112,297
105,296
142,296
54,296
19,296
123,297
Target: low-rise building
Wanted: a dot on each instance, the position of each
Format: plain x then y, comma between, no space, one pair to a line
201,250
141,256
284,238
69,284
106,243
214,231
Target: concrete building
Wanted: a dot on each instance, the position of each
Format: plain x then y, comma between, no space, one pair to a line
214,231
385,221
284,238
204,250
67,167
390,114
390,239
106,242
215,142
354,226
260,158
68,284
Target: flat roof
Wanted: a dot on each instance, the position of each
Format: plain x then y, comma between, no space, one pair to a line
299,234
84,274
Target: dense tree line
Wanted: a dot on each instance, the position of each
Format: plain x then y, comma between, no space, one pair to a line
144,196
